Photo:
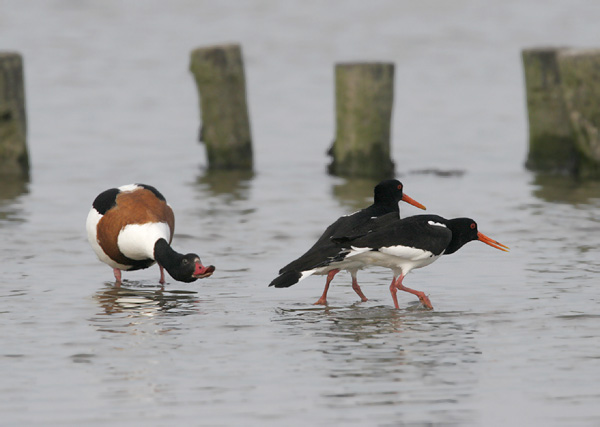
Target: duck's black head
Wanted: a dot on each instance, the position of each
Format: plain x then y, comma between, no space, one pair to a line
190,269
183,268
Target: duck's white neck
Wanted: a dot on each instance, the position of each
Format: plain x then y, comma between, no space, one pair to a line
137,241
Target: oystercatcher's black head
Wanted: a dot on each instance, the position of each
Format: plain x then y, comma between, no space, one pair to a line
464,230
391,191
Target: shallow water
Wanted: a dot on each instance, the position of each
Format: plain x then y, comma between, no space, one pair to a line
513,339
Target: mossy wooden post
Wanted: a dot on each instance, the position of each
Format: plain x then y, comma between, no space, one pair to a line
551,139
580,80
364,95
14,158
219,75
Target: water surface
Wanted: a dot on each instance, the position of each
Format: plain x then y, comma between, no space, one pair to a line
513,339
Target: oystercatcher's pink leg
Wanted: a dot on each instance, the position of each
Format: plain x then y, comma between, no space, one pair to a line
394,291
357,288
330,276
422,297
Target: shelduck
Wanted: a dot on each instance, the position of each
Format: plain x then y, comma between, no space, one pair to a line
131,228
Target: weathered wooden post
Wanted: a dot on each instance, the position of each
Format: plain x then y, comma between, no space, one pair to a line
551,139
219,75
580,79
364,95
14,158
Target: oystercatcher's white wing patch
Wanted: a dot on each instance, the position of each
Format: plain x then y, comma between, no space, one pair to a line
406,252
307,273
354,251
437,224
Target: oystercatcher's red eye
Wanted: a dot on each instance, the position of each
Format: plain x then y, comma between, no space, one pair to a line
400,187
473,225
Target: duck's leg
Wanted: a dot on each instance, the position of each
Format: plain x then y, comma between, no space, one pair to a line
421,295
330,276
162,274
357,288
117,274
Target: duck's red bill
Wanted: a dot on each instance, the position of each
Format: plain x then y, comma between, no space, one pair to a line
201,271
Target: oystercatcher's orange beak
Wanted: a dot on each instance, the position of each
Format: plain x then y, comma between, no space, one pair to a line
485,239
413,202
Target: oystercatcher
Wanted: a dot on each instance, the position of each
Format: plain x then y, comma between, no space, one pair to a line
131,228
410,243
319,258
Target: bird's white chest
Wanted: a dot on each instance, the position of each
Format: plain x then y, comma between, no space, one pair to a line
399,258
136,241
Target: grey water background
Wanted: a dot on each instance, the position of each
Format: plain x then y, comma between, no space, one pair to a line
514,337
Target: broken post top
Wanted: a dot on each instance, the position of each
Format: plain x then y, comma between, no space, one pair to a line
14,157
221,83
364,64
9,54
563,86
364,93
217,61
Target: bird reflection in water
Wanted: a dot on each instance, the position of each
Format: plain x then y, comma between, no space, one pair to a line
136,299
402,358
354,322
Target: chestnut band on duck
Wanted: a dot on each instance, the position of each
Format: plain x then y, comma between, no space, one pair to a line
131,227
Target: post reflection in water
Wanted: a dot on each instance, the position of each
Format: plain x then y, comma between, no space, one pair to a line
11,188
355,193
223,182
565,189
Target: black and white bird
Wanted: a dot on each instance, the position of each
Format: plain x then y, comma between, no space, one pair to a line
320,258
410,243
131,228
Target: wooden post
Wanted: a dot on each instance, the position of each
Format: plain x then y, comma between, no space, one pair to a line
364,94
580,79
551,139
219,75
14,158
